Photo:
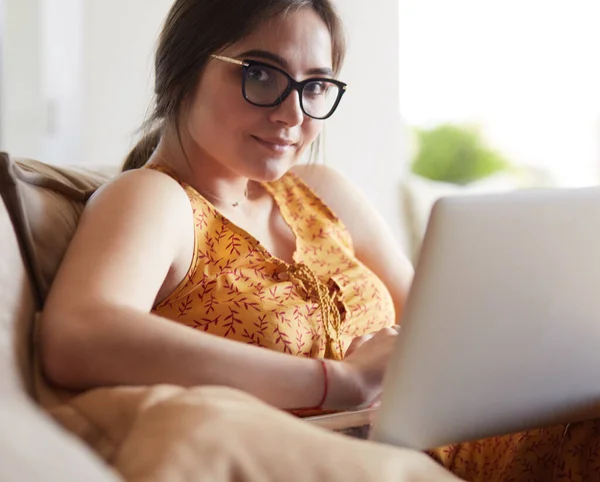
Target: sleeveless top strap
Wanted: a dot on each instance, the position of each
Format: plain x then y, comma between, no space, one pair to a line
191,194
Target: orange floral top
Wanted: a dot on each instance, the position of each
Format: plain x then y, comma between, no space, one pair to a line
313,307
567,453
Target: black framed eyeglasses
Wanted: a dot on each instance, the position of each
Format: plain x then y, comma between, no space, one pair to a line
264,85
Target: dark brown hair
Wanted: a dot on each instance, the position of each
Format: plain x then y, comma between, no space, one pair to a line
195,29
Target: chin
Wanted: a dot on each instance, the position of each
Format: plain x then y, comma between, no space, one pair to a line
265,163
269,169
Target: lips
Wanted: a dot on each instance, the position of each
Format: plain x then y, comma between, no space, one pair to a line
275,144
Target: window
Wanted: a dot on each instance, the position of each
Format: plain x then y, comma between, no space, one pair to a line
525,72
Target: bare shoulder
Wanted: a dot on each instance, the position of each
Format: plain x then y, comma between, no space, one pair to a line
141,186
139,216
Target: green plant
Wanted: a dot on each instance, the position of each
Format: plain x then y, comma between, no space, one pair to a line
455,154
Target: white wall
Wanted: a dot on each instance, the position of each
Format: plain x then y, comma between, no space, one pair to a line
365,138
120,41
22,105
77,77
62,87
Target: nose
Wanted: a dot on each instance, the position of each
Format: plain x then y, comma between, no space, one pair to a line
289,111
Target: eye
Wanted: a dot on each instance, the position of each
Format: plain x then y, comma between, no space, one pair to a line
259,74
317,88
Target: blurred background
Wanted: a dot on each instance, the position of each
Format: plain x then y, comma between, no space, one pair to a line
446,97
497,95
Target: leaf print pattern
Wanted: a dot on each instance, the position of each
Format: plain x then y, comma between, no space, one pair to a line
204,323
568,453
236,289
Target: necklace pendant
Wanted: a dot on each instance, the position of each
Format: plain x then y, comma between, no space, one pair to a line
235,204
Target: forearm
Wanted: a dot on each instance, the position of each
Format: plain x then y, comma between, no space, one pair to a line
117,346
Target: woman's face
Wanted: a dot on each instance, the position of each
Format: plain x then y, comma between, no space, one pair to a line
260,143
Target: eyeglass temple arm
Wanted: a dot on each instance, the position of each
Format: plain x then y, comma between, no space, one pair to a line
239,62
230,60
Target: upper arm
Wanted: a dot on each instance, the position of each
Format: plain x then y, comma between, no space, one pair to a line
127,240
373,241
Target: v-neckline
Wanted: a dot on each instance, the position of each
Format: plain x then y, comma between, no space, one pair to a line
248,236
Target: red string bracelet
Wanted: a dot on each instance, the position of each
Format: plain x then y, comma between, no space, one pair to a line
325,385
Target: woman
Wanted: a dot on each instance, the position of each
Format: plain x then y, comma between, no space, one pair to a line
217,229
220,228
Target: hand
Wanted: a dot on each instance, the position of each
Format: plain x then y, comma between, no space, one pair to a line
360,340
357,342
357,381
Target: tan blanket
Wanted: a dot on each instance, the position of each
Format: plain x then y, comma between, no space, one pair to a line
168,433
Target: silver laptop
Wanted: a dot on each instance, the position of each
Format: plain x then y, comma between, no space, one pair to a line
501,331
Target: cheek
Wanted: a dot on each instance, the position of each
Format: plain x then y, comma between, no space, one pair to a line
217,110
310,130
217,120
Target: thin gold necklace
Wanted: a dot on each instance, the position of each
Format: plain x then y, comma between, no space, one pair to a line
234,204
216,198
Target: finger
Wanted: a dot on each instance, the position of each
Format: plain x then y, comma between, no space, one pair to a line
390,330
357,342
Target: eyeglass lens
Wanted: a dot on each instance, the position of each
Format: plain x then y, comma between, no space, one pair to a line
264,86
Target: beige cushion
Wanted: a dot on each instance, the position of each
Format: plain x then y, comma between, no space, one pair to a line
32,446
17,308
45,202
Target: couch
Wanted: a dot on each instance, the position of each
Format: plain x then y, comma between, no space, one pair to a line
138,433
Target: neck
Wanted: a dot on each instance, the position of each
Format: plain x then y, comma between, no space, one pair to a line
205,174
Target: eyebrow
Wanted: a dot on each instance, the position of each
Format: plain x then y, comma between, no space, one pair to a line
263,54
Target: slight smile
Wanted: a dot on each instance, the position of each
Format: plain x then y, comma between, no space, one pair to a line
278,146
